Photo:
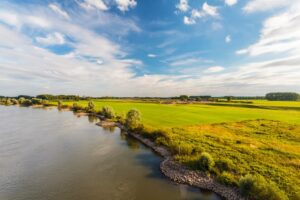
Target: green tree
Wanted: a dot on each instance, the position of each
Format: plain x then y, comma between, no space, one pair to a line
133,118
282,96
183,97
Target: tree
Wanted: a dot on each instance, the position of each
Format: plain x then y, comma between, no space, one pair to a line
133,118
183,97
282,96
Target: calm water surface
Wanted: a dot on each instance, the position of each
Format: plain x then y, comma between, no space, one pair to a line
52,155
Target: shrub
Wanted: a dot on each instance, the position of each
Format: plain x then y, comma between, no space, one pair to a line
133,118
206,161
59,104
257,188
14,101
76,107
224,164
36,101
91,107
26,102
21,100
108,112
227,179
121,118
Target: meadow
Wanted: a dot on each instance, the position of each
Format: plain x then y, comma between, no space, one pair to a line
261,137
181,115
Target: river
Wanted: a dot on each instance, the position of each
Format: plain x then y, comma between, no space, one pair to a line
55,155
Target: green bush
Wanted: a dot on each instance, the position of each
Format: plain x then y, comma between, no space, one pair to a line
59,104
91,107
76,107
26,102
21,100
36,101
227,179
224,164
108,112
133,119
206,162
14,101
257,188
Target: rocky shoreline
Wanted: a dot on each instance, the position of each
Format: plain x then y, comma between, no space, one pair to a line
181,174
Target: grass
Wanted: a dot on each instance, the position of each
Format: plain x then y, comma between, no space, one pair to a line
268,148
260,138
178,115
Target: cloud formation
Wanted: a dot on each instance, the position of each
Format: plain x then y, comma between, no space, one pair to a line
205,11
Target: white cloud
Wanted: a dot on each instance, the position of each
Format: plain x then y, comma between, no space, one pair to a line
280,34
58,10
9,18
214,69
37,21
265,5
183,5
206,11
210,10
231,2
125,5
188,20
228,39
150,55
52,39
94,4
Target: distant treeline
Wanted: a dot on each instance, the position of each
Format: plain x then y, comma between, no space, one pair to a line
283,96
277,96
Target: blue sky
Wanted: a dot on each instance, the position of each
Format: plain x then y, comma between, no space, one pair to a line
149,48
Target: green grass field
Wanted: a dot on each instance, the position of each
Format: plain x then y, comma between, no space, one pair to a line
262,137
179,115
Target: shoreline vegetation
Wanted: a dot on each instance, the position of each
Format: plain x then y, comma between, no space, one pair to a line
246,161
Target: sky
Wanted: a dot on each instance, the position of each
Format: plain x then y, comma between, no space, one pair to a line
149,48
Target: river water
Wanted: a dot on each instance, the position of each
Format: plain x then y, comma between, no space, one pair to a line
53,155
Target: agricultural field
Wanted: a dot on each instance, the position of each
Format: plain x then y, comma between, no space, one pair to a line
180,115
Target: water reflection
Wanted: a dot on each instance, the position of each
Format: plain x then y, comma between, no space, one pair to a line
50,155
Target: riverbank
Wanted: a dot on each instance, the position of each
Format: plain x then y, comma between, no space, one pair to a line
239,141
182,175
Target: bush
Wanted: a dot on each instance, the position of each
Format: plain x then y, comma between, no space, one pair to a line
206,161
91,107
14,101
59,104
36,101
257,188
227,179
26,102
224,164
133,119
21,100
108,112
76,107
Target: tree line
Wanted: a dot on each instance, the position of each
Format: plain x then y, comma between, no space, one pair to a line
283,96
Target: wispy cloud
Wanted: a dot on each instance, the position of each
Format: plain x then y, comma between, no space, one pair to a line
56,8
